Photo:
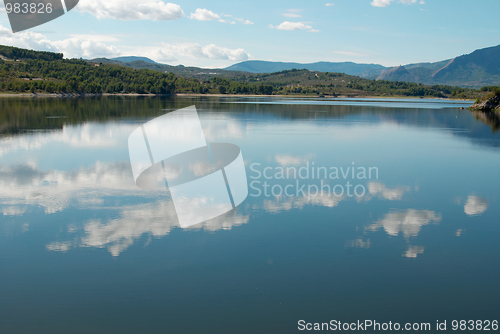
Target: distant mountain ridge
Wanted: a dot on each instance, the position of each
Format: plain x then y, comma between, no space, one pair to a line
477,69
129,59
140,63
261,66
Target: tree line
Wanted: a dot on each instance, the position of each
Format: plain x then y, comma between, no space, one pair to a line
28,71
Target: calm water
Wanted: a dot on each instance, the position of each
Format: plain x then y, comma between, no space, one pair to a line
83,250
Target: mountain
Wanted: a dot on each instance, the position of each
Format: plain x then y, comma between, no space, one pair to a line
180,70
130,59
36,72
260,66
477,69
399,73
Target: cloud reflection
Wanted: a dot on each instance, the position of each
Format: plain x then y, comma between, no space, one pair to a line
413,251
89,135
153,219
282,203
286,160
13,210
358,243
408,222
380,190
475,205
56,190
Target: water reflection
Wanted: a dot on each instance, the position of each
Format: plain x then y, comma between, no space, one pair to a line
359,243
55,190
286,160
153,219
413,251
408,222
475,205
378,189
490,118
73,222
78,162
51,114
284,203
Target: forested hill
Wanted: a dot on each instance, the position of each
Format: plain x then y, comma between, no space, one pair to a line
9,52
27,71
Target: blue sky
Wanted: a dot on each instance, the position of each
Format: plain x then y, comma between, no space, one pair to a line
221,33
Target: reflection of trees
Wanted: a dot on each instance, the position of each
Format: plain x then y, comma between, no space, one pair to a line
489,117
21,114
18,114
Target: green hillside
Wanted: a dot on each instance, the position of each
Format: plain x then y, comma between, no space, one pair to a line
44,72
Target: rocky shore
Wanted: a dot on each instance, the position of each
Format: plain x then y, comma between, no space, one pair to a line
492,103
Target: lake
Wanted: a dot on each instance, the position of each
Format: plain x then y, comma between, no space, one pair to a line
413,239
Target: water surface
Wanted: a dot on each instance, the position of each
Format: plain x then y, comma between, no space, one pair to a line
83,250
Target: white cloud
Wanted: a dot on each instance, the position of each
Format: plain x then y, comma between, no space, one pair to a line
313,30
291,26
385,3
381,3
194,51
213,51
247,22
131,9
71,48
329,4
475,205
294,15
408,222
204,15
94,46
88,49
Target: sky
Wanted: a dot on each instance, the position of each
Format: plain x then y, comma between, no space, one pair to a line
217,34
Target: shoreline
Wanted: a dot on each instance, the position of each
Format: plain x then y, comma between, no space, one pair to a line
66,95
